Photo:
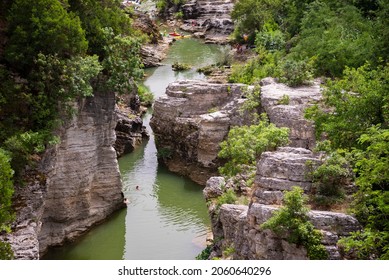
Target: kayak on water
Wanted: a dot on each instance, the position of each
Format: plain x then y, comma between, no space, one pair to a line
174,34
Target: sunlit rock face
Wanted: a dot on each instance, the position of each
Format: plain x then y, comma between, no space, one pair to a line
239,226
83,179
76,186
209,19
190,123
285,107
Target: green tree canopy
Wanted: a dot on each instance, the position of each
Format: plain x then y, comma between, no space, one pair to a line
42,26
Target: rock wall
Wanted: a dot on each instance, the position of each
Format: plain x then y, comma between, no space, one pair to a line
191,121
238,226
130,133
209,19
81,185
83,179
285,107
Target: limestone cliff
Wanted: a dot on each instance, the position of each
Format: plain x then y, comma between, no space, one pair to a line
209,19
189,125
81,184
191,121
238,226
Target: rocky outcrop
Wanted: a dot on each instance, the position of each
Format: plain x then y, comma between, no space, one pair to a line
28,204
81,185
153,54
238,226
191,121
281,170
130,132
285,107
209,19
155,50
83,179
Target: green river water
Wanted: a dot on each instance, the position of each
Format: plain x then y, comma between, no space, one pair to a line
167,217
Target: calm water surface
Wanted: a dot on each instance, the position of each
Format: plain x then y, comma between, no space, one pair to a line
167,217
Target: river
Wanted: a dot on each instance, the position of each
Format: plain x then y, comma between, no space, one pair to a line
167,217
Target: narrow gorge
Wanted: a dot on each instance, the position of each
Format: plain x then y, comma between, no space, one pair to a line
140,107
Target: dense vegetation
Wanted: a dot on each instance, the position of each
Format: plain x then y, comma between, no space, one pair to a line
56,51
345,43
245,144
298,39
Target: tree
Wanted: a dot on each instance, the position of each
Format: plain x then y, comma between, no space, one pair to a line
96,15
357,102
336,37
42,26
371,204
122,64
6,191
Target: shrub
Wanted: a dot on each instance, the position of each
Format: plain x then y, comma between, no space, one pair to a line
252,104
266,64
371,201
146,97
291,222
285,99
228,197
246,143
330,177
6,252
6,191
357,101
204,255
297,73
270,37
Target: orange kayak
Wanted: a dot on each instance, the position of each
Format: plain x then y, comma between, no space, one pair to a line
174,34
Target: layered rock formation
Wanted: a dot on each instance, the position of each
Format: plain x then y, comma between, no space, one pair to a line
238,226
285,108
81,186
209,19
130,132
191,121
83,179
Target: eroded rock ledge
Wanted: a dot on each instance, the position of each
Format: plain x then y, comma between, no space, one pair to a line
238,226
191,121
